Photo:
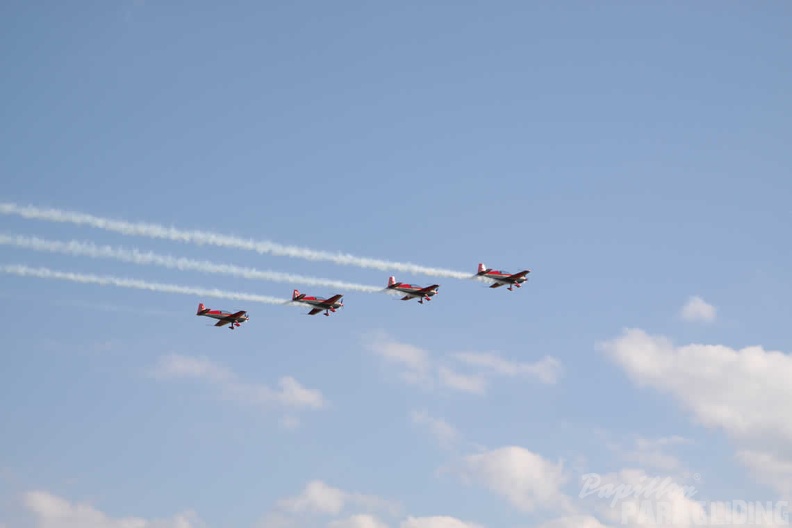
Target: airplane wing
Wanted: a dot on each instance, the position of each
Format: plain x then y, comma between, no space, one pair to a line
315,311
430,288
406,298
497,285
238,314
518,275
331,300
222,322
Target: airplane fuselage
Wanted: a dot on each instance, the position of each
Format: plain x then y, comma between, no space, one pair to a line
504,278
321,303
413,291
233,319
328,305
224,316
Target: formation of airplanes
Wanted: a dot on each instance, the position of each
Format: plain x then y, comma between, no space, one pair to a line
411,291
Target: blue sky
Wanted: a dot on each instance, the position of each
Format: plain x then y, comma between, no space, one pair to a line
635,157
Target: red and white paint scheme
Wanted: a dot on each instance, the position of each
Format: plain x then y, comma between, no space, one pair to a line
502,278
234,319
413,291
319,303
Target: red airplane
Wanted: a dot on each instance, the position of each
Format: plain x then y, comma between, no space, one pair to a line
224,318
319,303
502,278
413,291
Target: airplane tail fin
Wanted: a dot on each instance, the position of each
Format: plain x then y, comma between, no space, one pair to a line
295,295
482,268
202,309
391,281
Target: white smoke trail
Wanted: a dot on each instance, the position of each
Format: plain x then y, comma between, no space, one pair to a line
216,239
134,256
105,280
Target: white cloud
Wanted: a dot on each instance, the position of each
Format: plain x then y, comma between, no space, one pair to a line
437,522
445,433
697,309
415,361
176,366
768,469
51,511
289,422
525,479
745,392
320,498
294,394
278,520
358,521
574,521
291,393
419,368
651,453
317,497
630,497
633,499
461,382
548,369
